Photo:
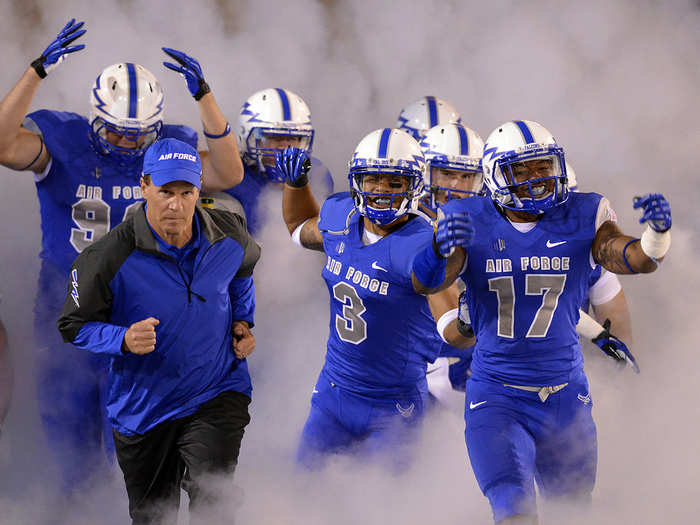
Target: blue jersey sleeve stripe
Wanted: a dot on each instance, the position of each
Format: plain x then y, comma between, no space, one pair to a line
133,90
384,143
527,135
463,141
432,111
284,100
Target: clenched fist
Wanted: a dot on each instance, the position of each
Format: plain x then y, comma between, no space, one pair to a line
243,340
140,338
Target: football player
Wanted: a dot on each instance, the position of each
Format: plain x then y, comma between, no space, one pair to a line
371,393
528,412
269,121
453,171
87,173
426,112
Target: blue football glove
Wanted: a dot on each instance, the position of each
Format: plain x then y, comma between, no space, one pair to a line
59,48
657,211
190,69
615,348
452,230
293,164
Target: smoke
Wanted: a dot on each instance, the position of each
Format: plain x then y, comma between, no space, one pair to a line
616,82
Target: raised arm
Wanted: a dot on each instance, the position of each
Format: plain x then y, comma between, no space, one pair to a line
300,210
20,149
620,253
221,164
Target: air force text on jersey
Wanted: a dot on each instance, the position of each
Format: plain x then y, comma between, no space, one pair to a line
357,277
528,263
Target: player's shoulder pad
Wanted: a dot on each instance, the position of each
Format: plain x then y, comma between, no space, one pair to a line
335,212
470,205
179,132
407,241
45,121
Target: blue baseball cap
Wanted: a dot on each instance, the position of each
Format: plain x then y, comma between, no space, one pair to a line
169,160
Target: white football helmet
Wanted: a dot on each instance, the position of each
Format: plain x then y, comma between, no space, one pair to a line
272,112
126,99
517,142
386,152
457,148
425,113
571,177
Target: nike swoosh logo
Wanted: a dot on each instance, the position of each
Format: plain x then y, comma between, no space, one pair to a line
551,244
315,391
472,405
377,267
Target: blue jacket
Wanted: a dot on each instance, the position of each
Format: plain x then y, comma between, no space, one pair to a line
126,277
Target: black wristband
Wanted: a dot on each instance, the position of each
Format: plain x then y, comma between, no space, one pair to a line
203,89
303,179
38,66
465,329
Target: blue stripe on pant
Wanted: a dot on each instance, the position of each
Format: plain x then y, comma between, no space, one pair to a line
513,439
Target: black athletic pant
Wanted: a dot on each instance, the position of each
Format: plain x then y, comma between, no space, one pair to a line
189,452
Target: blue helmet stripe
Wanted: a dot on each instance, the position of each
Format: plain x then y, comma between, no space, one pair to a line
133,90
463,141
527,135
432,111
284,99
384,143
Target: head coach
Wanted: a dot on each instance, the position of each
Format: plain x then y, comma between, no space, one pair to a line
168,295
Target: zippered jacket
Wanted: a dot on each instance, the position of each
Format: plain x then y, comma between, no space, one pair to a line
126,277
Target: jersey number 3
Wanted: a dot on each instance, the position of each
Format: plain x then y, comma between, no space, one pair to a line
548,285
351,327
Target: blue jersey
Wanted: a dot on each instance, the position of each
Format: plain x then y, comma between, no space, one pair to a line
382,333
84,194
524,290
249,189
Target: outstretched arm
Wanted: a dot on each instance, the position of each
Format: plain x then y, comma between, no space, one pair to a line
445,308
437,266
221,165
20,149
300,210
620,253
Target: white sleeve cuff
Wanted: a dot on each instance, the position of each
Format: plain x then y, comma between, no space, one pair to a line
38,177
296,234
446,319
604,289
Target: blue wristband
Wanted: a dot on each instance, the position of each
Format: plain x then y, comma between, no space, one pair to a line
212,136
624,255
429,268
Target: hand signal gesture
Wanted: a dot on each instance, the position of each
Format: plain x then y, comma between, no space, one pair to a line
190,69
